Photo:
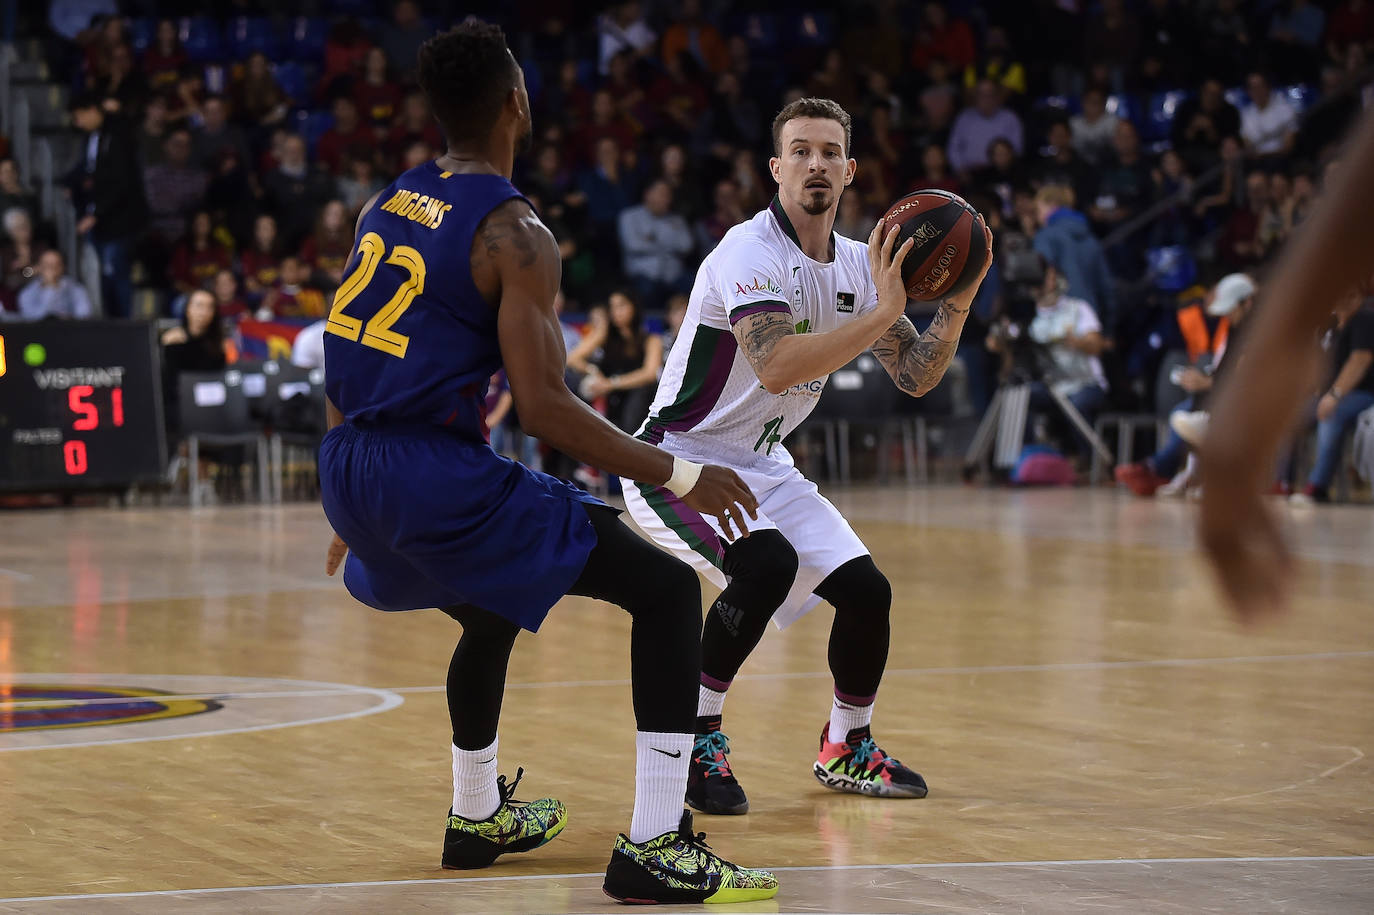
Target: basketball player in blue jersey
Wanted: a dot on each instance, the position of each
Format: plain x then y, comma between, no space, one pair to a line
453,276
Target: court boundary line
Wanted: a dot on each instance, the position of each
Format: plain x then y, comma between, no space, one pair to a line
344,689
448,881
389,700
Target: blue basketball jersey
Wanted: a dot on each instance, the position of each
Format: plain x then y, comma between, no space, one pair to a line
409,338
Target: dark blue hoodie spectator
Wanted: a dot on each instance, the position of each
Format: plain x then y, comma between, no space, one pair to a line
1066,240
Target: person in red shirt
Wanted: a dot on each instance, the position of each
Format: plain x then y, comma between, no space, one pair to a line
163,60
259,261
678,97
293,296
378,98
344,51
415,123
228,301
347,131
326,250
605,122
1350,23
199,256
940,36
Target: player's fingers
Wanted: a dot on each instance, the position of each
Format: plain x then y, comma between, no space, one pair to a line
875,238
724,519
888,241
907,245
738,516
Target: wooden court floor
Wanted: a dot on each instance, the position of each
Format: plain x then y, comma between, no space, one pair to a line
238,735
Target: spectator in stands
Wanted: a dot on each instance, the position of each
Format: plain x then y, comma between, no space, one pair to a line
346,132
1231,302
295,191
216,134
606,187
120,82
852,219
754,189
1350,345
732,122
307,350
1094,130
183,104
164,58
1168,32
260,262
622,28
677,313
199,256
503,424
1112,41
1269,124
1252,228
195,345
655,243
936,117
376,96
326,251
1065,240
401,38
621,359
727,214
293,296
626,82
1350,23
175,189
606,122
1069,329
344,49
415,123
1296,30
19,256
258,101
1294,209
52,294
12,191
690,33
978,125
1173,188
416,154
564,99
229,304
1231,191
998,64
1125,185
935,171
152,131
1061,164
835,80
106,185
1200,124
232,195
1003,174
940,37
359,180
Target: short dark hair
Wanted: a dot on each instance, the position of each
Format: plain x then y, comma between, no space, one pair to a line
811,108
84,101
466,74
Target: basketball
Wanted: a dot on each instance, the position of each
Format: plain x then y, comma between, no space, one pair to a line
949,251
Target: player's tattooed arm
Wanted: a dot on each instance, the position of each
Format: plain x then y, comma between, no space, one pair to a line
915,361
758,336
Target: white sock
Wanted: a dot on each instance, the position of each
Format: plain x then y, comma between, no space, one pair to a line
845,718
474,782
709,702
660,782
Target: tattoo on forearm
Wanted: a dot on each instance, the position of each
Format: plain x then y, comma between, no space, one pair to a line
915,361
765,330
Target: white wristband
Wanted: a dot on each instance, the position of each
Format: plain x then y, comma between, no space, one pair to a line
685,475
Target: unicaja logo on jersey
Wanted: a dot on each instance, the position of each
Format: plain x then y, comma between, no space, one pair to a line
765,285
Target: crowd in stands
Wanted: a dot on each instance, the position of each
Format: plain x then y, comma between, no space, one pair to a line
1141,148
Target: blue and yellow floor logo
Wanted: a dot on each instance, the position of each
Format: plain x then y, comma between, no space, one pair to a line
40,707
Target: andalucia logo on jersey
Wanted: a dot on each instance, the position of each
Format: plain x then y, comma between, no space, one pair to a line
767,284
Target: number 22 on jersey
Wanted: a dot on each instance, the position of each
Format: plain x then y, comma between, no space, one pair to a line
378,333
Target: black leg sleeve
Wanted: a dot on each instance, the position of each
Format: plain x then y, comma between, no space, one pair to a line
859,636
762,568
477,675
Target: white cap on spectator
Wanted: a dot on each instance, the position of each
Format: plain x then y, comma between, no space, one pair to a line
1233,289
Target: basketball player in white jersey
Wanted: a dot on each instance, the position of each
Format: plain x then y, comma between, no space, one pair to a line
780,304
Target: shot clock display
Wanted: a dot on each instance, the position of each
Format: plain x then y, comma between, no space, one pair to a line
80,405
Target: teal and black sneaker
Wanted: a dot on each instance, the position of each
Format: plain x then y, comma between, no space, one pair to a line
711,786
515,826
680,867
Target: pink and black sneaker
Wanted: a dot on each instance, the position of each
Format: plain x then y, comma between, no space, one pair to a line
858,766
711,786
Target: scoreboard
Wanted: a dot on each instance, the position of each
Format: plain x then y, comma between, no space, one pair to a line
80,405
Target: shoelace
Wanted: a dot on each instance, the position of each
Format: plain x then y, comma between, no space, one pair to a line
711,750
863,753
507,792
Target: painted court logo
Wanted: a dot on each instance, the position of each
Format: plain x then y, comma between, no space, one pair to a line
767,284
41,707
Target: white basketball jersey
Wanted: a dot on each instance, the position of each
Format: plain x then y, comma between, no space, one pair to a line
709,402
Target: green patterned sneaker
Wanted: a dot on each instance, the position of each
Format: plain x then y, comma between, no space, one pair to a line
515,826
680,867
